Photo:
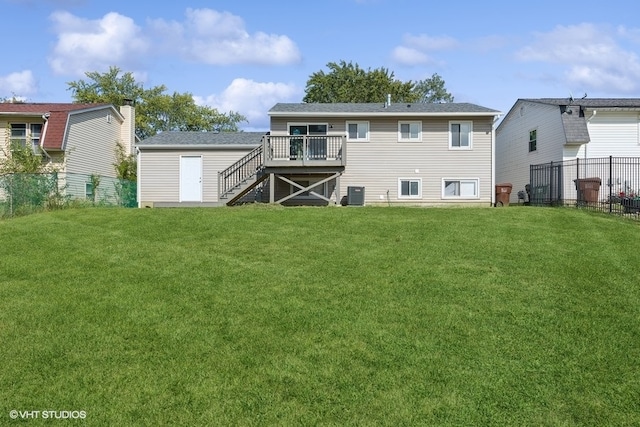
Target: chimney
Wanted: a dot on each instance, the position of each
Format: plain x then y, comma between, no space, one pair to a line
388,99
128,129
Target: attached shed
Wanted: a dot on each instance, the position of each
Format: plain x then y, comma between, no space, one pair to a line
181,168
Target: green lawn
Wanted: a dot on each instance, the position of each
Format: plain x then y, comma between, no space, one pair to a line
256,315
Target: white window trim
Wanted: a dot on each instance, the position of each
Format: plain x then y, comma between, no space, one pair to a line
460,122
366,138
410,122
307,124
29,141
476,197
418,196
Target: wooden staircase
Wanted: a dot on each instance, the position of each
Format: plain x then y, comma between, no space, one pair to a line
235,182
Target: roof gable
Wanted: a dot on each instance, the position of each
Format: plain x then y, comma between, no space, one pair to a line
56,114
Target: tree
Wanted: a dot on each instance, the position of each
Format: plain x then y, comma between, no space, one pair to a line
126,172
156,111
347,82
432,90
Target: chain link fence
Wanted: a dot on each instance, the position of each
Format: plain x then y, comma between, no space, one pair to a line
23,194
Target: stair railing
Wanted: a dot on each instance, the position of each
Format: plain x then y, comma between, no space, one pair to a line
239,172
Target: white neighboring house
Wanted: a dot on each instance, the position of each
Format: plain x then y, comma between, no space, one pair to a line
544,130
338,153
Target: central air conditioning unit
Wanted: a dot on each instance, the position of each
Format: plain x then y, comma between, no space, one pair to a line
355,196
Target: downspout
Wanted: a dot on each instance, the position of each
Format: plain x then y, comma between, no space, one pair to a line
138,158
45,117
589,121
493,160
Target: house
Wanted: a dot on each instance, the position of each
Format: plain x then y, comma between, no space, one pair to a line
76,140
342,153
544,130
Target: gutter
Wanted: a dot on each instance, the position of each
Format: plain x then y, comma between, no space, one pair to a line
197,146
383,114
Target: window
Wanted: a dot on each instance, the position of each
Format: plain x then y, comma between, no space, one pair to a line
460,135
409,188
410,131
358,131
88,191
316,143
460,188
533,140
22,133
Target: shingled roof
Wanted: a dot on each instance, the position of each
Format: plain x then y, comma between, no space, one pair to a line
58,117
368,109
202,139
572,112
615,103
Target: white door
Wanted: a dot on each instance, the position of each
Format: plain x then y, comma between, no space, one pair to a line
190,178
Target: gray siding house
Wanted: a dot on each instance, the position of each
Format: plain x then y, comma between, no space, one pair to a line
538,131
75,140
342,153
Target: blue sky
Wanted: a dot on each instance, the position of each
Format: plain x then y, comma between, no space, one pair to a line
245,56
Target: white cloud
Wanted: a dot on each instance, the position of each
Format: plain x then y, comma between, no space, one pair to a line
220,38
415,50
94,45
252,99
409,56
592,56
19,84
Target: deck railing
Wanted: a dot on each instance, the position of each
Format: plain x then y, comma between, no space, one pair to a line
305,150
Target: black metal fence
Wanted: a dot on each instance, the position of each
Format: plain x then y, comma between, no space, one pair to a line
607,184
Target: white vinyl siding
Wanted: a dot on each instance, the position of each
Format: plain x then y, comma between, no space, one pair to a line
378,164
613,134
159,172
90,143
513,157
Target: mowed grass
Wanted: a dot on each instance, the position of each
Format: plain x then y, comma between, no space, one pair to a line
257,315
